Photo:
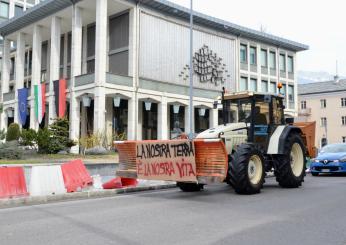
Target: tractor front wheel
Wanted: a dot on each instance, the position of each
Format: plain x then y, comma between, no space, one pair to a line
189,187
290,166
246,170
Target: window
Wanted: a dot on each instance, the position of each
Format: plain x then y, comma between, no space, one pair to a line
303,105
282,62
343,120
243,84
91,32
119,44
323,103
243,53
272,60
253,56
324,142
343,102
343,139
291,93
264,58
283,90
323,121
18,10
4,9
253,84
264,86
273,87
290,66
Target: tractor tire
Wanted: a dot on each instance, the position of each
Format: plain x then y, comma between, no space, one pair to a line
290,166
246,170
189,187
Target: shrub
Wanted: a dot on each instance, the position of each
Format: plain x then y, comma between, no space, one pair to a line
13,132
55,138
28,137
43,140
10,150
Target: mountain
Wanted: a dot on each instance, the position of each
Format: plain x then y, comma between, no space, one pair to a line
313,76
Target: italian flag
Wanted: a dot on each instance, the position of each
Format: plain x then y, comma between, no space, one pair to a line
40,101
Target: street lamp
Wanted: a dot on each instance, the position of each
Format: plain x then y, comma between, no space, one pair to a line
191,70
116,101
147,104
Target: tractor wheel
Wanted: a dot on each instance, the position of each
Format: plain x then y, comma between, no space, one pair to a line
189,187
290,167
246,170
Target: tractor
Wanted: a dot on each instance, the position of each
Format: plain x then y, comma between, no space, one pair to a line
254,138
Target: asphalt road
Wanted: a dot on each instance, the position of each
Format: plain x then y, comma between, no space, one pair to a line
314,214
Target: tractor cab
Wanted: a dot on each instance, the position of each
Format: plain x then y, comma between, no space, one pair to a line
248,117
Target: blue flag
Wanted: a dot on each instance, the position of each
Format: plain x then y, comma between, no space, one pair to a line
22,104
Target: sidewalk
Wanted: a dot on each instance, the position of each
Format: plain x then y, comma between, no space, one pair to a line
88,194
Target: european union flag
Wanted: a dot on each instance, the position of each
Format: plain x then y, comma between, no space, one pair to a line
22,104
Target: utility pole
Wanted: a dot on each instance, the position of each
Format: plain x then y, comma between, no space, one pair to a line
191,71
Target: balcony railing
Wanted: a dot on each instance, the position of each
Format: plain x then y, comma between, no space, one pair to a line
305,112
9,96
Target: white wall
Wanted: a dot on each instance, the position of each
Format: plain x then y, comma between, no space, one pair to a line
164,51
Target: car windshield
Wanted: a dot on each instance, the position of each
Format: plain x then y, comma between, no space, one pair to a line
334,148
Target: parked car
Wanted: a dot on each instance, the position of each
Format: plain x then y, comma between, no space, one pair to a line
331,159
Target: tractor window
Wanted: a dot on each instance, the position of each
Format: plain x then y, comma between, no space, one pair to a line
277,111
241,110
261,113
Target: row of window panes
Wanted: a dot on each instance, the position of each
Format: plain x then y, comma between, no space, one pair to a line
324,121
323,103
243,86
264,58
4,10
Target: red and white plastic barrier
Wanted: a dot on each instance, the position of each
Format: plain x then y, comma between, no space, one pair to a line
52,180
12,182
76,176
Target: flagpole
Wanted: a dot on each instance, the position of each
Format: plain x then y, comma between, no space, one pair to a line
191,71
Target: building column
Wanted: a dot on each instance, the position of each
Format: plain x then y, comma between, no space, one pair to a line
76,70
187,120
36,71
100,65
20,59
11,9
162,121
214,118
54,64
131,118
5,77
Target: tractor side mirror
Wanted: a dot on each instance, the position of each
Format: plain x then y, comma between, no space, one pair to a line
289,120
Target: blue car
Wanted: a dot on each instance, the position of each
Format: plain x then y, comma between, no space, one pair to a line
331,159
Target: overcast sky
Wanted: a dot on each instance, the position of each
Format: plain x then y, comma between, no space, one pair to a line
319,24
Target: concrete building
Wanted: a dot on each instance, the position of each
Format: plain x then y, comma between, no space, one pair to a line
325,103
126,65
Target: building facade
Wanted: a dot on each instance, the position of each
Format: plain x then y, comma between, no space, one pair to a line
325,103
126,65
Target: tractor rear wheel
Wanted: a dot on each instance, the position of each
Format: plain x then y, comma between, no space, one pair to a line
246,170
189,187
290,166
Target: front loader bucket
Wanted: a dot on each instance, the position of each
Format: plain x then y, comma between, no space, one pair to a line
308,129
207,163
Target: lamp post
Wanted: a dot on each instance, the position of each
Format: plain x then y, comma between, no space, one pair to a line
191,70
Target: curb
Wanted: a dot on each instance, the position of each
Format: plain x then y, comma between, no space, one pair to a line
27,201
